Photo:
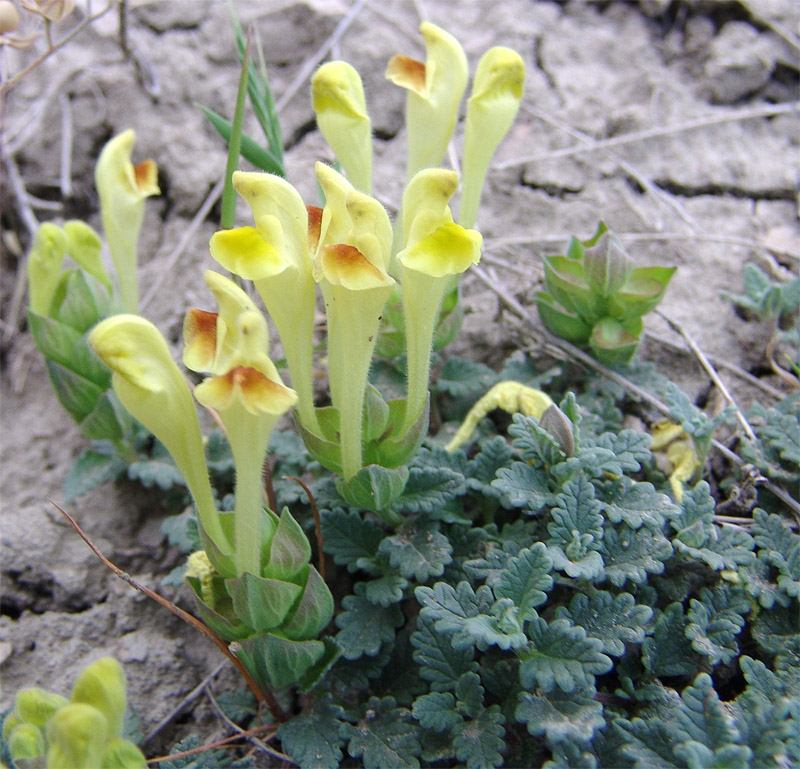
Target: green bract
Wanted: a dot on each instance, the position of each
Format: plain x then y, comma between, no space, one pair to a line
596,298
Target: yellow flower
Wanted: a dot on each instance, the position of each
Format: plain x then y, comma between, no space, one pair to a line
350,264
435,250
275,256
337,96
434,89
247,393
149,385
122,188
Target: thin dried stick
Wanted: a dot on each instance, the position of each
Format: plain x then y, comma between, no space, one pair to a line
65,177
712,372
268,697
311,63
771,110
187,700
317,522
244,732
7,85
223,743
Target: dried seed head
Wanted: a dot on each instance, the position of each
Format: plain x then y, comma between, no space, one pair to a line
9,17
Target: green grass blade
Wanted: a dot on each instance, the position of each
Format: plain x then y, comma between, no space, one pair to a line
251,150
234,145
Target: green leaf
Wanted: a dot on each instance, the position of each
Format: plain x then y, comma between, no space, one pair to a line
577,531
160,471
473,619
418,551
203,759
668,652
705,719
560,717
436,711
438,661
638,503
779,547
479,742
238,704
632,554
524,486
560,654
714,622
385,737
777,629
614,620
537,446
90,470
312,738
365,626
386,590
570,755
374,487
461,378
649,743
182,532
429,489
289,550
527,581
351,539
251,150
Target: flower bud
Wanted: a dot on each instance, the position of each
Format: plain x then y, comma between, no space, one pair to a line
76,736
102,685
606,266
36,706
558,424
26,741
9,17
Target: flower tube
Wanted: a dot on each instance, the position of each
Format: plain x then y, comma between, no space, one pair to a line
435,249
122,188
350,264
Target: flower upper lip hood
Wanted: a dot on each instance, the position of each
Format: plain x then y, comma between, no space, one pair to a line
337,96
122,188
355,237
114,167
434,89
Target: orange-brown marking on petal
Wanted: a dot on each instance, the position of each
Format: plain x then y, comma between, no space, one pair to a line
407,73
260,393
146,174
314,226
199,339
346,266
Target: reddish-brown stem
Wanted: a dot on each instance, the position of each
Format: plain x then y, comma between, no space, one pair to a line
267,697
317,522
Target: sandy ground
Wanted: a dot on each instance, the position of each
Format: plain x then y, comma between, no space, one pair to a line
675,122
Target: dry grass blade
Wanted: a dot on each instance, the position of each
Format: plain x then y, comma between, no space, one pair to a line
771,110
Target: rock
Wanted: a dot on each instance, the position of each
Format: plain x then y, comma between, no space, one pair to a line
740,63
